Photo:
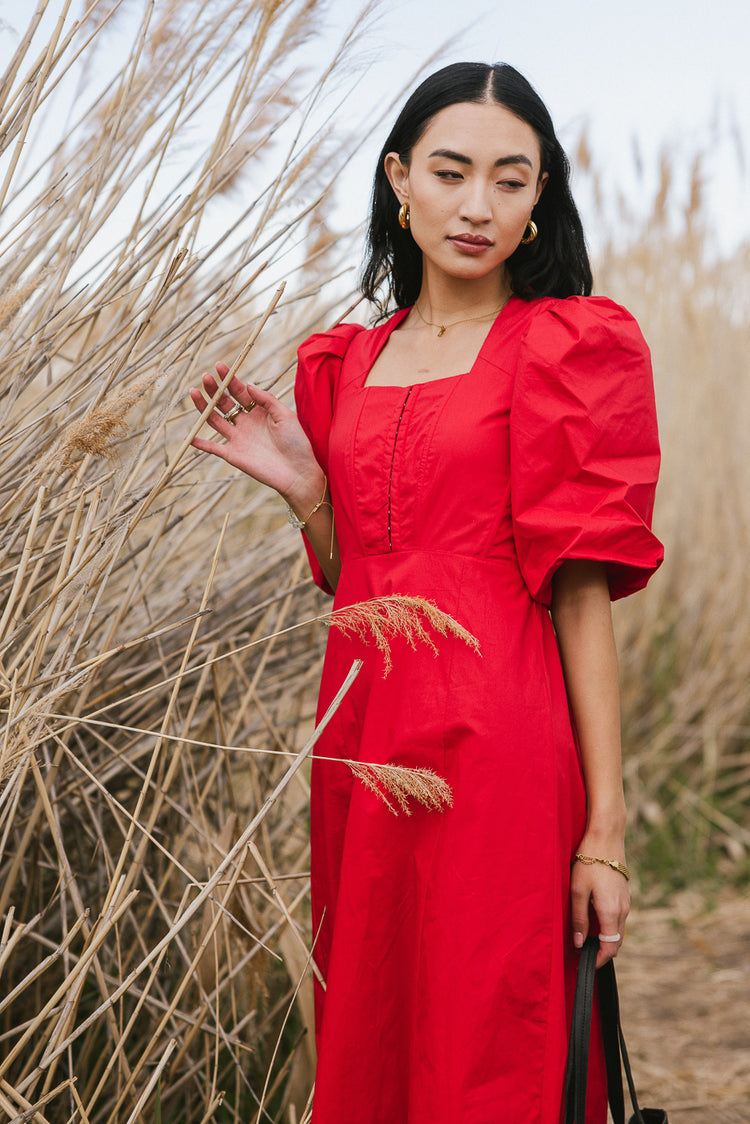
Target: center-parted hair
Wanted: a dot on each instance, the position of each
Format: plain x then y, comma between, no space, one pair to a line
555,264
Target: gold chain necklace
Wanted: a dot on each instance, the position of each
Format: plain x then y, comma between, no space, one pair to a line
443,328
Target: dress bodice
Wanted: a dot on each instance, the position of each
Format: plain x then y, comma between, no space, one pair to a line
545,449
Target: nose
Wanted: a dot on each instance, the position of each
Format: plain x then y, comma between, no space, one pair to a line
475,202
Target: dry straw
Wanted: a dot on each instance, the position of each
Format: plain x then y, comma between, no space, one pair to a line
414,619
155,945
685,642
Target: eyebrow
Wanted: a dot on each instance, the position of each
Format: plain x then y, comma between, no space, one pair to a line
501,162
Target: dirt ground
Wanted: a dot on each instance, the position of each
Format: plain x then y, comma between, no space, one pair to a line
684,979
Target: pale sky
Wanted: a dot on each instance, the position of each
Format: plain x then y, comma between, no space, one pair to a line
669,72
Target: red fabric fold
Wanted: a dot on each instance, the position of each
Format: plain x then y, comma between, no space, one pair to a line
318,364
584,446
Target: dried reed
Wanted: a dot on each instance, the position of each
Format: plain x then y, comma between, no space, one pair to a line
137,958
685,641
382,618
423,785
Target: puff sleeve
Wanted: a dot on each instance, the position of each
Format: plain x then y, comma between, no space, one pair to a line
319,362
584,446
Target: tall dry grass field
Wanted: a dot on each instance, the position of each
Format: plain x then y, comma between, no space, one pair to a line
685,641
153,844
159,647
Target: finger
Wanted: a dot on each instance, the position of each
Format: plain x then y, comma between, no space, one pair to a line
261,397
611,930
579,900
210,382
198,399
607,952
238,394
608,947
209,447
214,419
248,395
277,410
239,391
224,402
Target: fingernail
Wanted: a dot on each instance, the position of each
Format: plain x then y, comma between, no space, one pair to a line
578,940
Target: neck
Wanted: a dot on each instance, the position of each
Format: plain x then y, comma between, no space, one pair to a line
444,299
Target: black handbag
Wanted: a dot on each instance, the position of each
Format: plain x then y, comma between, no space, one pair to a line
614,1045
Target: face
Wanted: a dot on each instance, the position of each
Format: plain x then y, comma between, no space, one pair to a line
471,184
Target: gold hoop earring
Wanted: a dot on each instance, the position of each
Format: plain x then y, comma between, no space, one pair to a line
530,233
404,216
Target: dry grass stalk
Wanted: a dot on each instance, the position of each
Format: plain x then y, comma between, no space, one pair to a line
103,566
14,298
94,434
685,642
422,785
381,619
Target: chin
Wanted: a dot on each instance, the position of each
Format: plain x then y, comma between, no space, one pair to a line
473,270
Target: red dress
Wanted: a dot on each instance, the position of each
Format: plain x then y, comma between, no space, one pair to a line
445,937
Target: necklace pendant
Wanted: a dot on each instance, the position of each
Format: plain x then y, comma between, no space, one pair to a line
442,331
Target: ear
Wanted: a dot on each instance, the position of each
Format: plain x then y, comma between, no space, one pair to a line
540,186
398,176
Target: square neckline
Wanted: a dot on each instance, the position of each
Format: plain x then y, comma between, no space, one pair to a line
393,323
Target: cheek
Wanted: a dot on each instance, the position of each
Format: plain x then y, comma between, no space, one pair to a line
427,199
520,207
429,215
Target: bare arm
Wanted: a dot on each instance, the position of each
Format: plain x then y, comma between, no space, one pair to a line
269,444
582,618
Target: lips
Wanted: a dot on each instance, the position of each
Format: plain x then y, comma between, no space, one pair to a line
472,245
472,239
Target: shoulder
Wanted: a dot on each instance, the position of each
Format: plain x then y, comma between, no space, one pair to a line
585,363
320,361
322,356
588,351
331,344
581,327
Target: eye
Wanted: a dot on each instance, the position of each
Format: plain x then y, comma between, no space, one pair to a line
514,185
447,174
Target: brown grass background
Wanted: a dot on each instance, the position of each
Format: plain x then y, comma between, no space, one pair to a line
159,633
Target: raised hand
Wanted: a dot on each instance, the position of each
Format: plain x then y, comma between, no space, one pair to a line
263,439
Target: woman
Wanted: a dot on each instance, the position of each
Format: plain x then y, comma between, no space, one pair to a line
492,447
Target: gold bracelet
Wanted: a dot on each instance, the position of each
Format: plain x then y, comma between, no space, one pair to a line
588,860
299,524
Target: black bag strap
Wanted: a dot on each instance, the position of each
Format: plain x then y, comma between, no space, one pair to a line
614,1045
609,1006
614,1042
580,1034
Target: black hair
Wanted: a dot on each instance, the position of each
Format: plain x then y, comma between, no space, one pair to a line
555,264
